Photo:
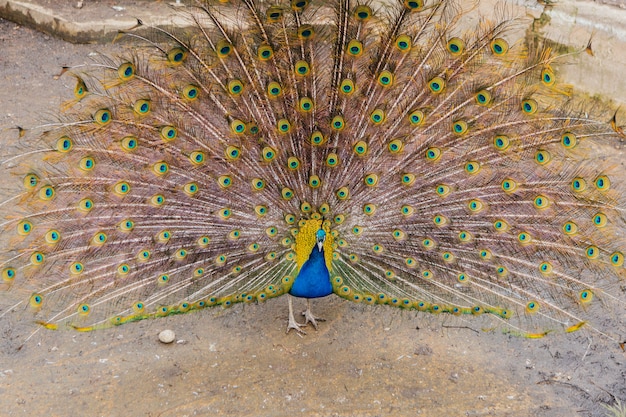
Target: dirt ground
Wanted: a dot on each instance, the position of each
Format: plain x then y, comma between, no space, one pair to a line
363,361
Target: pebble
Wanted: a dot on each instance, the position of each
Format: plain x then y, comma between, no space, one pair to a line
167,336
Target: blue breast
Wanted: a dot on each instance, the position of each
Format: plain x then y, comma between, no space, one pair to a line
314,279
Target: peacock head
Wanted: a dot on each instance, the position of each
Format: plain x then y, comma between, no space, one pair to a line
314,234
321,238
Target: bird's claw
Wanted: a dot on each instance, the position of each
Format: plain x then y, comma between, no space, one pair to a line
310,318
293,324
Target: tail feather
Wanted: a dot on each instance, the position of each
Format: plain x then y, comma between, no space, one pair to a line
454,171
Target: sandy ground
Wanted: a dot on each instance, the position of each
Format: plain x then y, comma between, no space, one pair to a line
363,361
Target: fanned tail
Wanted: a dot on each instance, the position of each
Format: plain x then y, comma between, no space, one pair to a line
453,171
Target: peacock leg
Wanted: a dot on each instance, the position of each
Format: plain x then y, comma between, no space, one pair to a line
293,324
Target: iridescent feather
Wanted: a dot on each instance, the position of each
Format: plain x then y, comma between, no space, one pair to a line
386,155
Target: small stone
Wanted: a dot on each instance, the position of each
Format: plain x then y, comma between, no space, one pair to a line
423,350
167,336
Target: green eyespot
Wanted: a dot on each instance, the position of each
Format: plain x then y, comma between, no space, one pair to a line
85,205
197,157
385,78
293,163
302,68
168,133
306,32
190,92
416,117
569,140
547,77
529,106
314,181
360,148
483,98
377,116
87,163
102,117
287,193
403,43
332,160
305,105
347,87
456,46
176,56
191,189
343,193
508,185
459,127
437,85
129,143
126,71
64,144
396,146
160,168
258,184
283,126
355,48
52,237
338,123
235,88
501,142
570,228
371,180
414,5
265,52
47,193
274,89
141,107
499,47
369,209
362,13
237,127
274,14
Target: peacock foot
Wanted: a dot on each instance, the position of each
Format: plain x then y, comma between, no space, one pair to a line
309,317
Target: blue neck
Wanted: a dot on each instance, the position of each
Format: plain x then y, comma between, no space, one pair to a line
313,280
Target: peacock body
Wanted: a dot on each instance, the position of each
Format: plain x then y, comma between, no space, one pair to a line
385,155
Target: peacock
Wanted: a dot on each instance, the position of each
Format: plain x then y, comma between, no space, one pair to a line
381,152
